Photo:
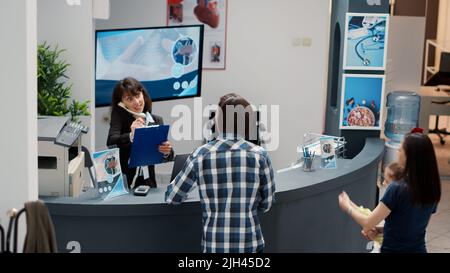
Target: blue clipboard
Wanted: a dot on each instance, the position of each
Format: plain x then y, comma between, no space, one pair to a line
144,150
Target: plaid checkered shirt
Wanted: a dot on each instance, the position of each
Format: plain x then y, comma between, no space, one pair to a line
235,181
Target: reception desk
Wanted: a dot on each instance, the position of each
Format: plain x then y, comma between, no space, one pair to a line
305,218
432,102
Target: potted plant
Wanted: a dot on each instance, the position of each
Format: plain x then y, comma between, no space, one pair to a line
54,90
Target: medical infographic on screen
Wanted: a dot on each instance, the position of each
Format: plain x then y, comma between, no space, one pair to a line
365,44
108,174
362,102
166,60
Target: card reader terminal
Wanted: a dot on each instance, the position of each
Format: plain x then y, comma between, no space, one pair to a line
141,190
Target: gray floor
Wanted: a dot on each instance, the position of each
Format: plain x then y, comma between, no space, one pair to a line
438,232
442,155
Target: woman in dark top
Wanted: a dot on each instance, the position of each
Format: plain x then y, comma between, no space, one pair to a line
130,101
407,205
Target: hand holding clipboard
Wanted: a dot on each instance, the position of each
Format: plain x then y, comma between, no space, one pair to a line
144,150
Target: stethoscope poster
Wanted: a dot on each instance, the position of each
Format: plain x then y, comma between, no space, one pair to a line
362,102
365,44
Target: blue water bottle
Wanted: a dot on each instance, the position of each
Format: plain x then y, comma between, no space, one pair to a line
402,114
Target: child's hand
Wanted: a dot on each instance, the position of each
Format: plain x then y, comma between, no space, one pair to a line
370,234
379,184
383,184
344,201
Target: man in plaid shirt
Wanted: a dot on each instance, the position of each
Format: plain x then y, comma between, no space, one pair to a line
235,181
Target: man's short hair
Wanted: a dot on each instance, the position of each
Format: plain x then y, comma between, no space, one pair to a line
236,116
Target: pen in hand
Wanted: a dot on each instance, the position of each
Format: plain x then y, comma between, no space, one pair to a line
138,123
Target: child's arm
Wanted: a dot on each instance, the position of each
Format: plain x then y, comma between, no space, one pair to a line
383,184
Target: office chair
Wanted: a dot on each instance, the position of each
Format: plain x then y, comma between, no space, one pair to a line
89,163
441,133
38,220
441,77
2,239
12,217
16,229
178,165
13,224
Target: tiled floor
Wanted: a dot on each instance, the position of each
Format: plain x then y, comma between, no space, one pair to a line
438,231
442,155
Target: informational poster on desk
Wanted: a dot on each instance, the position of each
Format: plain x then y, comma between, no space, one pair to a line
328,153
362,102
109,174
366,37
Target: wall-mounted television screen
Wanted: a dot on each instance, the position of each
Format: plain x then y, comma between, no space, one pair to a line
166,60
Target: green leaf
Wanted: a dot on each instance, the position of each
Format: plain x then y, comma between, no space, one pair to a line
54,88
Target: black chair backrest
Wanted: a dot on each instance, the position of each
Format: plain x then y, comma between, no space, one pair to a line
16,229
178,164
9,232
12,231
89,163
87,157
2,239
444,65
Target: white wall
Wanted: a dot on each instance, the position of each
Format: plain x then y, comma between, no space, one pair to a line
405,53
72,28
262,64
443,31
18,142
404,56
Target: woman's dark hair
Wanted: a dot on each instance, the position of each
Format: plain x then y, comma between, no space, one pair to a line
236,116
421,171
130,86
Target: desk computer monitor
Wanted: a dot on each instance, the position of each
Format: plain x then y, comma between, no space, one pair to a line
442,76
166,60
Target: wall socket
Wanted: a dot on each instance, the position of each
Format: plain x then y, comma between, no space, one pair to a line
73,2
296,41
299,41
306,42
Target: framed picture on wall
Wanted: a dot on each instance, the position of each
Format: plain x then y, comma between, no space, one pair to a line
362,102
365,44
213,15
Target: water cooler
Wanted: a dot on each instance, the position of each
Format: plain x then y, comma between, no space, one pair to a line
402,116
